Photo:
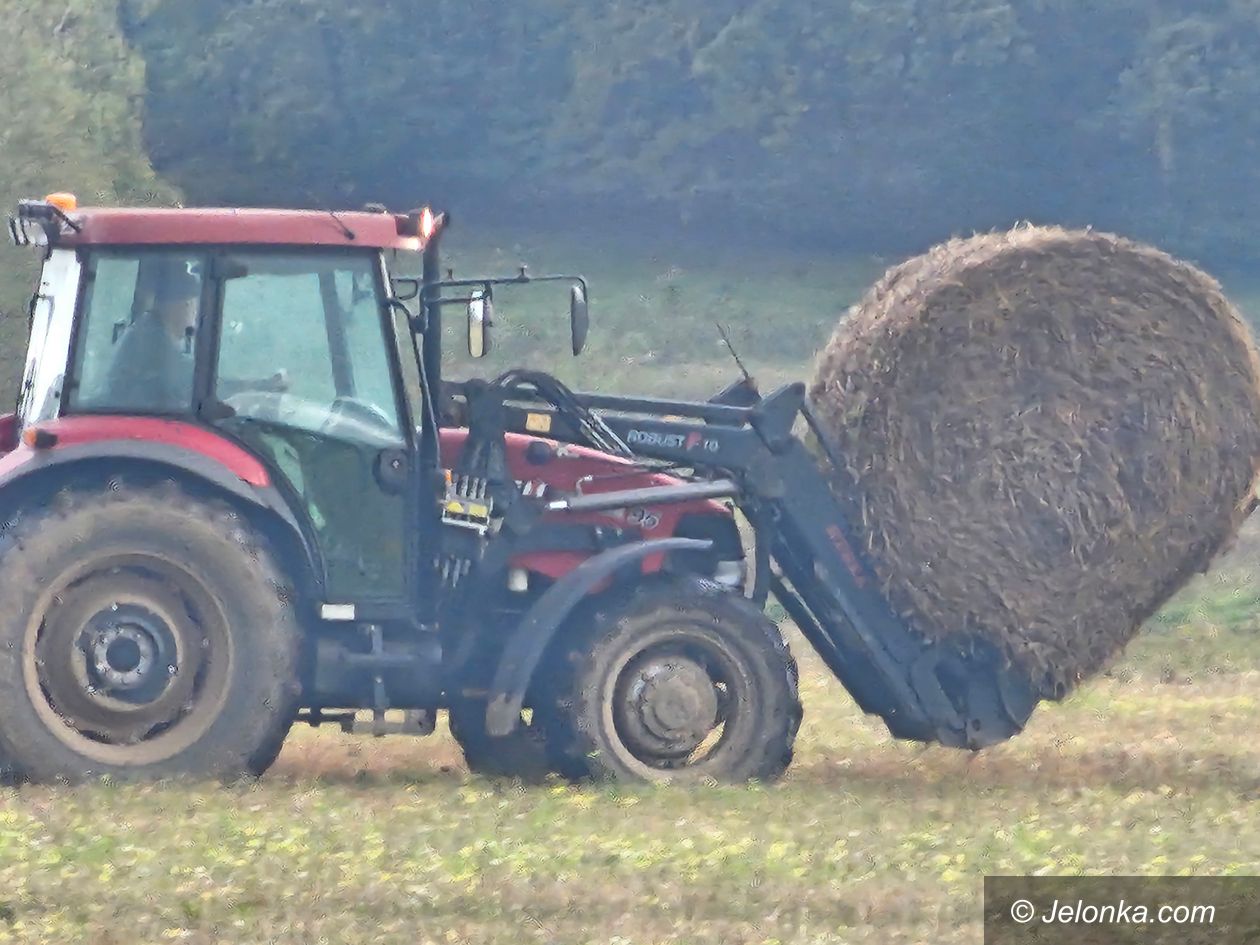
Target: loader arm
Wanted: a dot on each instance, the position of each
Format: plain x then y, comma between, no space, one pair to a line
960,695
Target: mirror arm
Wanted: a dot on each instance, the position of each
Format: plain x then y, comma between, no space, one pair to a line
519,279
417,322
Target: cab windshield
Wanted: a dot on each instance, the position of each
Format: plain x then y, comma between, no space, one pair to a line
303,343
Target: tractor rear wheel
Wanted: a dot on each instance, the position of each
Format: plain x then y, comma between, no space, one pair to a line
682,681
144,634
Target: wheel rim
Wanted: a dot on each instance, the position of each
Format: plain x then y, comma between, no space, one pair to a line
127,659
676,701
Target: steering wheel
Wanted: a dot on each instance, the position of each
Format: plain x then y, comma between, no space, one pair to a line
361,413
271,406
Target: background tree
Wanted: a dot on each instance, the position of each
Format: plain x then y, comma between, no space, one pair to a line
71,90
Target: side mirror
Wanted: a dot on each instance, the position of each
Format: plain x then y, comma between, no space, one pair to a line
579,318
480,318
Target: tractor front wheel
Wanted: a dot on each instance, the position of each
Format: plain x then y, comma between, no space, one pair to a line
682,681
144,634
520,754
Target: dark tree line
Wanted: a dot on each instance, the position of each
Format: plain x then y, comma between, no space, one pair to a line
868,125
874,125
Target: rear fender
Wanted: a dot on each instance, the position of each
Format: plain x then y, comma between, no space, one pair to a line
29,475
536,630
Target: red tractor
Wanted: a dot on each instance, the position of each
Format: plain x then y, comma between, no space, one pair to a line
237,492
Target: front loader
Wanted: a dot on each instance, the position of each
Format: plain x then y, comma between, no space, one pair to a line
238,493
742,447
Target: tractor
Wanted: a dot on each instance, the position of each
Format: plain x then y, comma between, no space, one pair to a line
237,493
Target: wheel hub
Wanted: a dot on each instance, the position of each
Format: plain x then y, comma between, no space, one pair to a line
130,651
670,708
119,657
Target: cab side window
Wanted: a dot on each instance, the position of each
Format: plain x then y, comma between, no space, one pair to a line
136,346
52,326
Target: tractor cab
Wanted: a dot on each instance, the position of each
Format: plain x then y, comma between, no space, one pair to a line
271,328
284,332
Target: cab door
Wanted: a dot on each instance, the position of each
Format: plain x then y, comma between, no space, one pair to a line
306,375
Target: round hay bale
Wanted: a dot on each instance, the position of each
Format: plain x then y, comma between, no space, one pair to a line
1044,434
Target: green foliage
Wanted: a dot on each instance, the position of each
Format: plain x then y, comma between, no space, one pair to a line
70,90
312,101
874,125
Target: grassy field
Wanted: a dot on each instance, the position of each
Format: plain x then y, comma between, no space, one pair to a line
1152,769
655,308
655,304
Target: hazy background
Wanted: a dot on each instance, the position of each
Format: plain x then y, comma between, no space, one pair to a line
756,162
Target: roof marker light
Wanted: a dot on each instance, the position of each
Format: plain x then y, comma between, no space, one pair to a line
66,203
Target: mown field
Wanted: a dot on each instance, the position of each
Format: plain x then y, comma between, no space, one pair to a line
1152,769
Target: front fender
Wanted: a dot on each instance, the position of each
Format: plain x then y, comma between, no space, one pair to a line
529,640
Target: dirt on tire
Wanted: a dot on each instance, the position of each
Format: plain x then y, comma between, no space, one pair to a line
183,580
759,675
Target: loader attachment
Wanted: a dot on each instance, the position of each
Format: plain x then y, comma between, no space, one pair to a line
963,694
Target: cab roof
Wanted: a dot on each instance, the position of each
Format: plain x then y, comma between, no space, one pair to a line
98,226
